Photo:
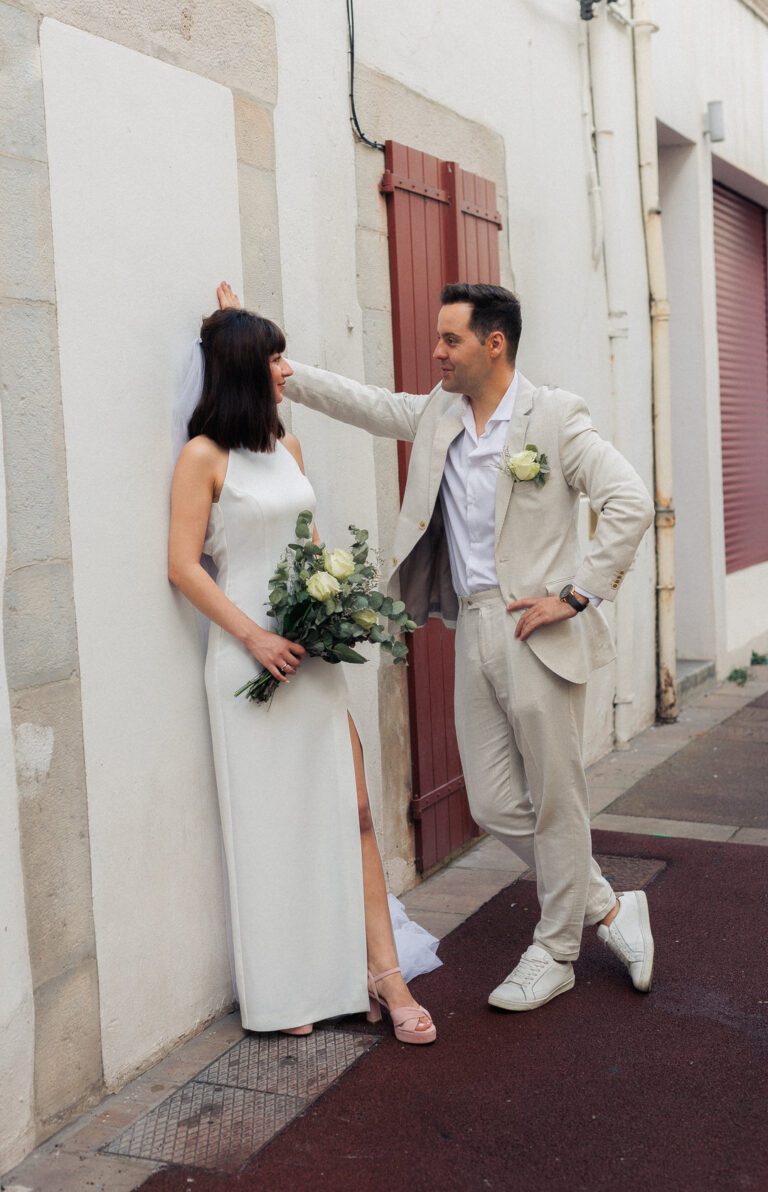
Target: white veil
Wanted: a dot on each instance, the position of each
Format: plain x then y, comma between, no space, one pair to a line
187,398
189,395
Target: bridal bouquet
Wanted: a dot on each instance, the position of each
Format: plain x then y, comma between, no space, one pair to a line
327,601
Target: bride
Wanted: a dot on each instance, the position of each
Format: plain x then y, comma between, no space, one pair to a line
312,934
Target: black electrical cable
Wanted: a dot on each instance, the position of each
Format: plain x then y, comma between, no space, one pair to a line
353,114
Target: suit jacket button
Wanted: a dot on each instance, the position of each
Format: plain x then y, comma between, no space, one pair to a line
394,562
422,525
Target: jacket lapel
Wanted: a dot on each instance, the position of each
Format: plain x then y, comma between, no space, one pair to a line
448,427
517,432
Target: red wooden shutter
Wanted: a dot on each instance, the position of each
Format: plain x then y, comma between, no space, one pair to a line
742,334
443,227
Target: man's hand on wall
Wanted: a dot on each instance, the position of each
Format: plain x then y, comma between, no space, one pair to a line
540,610
228,299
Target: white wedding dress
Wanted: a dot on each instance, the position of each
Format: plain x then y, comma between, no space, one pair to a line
286,783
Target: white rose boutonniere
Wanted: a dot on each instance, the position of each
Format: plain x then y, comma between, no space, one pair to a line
530,464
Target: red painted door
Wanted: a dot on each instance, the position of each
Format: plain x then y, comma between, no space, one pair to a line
443,227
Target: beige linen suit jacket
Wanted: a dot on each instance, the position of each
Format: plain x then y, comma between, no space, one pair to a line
537,544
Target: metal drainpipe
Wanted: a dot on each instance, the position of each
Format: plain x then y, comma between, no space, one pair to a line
642,29
599,70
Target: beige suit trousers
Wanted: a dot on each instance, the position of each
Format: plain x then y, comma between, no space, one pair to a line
520,728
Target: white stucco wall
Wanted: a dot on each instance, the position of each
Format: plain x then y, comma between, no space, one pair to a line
707,50
145,215
686,200
746,616
17,1037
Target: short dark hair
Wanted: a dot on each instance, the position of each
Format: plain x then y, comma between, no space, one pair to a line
237,407
493,309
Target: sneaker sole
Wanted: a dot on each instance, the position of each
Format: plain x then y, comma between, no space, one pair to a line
645,980
500,1004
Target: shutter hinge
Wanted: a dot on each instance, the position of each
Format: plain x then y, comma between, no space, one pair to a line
391,182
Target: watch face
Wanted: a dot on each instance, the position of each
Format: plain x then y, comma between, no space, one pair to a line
566,591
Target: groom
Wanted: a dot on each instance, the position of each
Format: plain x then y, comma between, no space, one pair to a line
487,540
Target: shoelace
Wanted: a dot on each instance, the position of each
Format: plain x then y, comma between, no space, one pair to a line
528,969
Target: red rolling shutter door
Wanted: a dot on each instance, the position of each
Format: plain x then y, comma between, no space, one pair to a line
443,227
742,333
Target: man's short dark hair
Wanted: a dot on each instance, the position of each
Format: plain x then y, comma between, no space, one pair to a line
493,309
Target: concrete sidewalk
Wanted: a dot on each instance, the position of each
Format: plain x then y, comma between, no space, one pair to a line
171,1113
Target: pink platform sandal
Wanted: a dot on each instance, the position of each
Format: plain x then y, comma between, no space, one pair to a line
405,1020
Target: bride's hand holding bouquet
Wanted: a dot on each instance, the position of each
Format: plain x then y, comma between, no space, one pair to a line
324,603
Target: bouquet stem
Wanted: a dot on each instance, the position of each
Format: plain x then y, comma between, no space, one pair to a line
261,689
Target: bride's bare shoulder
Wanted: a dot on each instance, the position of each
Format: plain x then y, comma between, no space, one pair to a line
203,463
201,452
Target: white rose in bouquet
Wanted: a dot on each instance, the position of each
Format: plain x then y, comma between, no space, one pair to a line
365,617
321,586
338,563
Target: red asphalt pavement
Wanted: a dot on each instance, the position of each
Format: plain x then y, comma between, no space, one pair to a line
604,1088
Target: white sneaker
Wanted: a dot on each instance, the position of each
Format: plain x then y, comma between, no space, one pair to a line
629,937
534,982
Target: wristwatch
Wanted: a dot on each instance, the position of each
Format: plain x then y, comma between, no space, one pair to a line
568,596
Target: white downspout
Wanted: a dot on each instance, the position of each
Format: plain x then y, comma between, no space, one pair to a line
598,78
642,29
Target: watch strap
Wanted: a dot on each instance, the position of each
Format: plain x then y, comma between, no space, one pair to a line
568,597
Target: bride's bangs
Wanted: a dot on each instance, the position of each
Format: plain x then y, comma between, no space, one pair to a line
274,337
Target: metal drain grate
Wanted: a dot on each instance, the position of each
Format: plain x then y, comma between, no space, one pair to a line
624,873
238,1103
207,1126
275,1064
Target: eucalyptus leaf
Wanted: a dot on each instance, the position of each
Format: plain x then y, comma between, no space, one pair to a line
346,654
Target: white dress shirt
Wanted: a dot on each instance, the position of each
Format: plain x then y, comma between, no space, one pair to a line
468,497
